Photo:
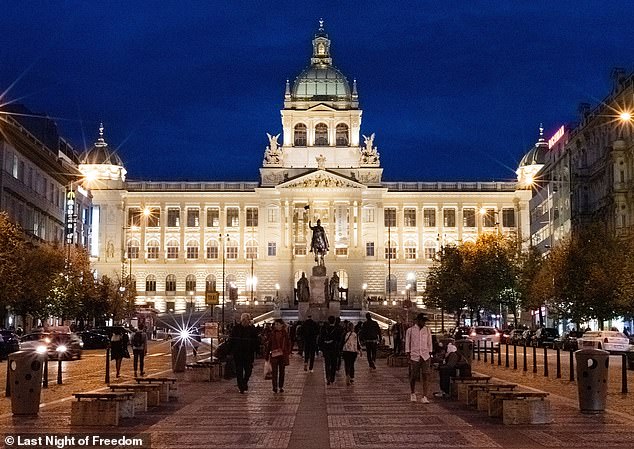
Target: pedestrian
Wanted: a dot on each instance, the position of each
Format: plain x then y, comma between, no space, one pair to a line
350,347
244,344
419,348
397,332
119,348
329,345
299,336
370,335
454,362
139,349
310,332
278,351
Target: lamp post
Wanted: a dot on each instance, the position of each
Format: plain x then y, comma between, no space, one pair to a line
224,287
389,264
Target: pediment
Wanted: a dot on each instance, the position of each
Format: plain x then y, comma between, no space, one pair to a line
321,107
321,179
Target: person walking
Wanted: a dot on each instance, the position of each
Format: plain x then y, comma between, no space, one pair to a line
310,332
370,335
139,349
329,344
277,352
119,348
419,347
397,333
350,347
244,344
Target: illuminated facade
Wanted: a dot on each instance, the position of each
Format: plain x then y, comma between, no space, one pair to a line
178,238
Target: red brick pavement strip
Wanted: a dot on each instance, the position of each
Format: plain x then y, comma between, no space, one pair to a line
374,413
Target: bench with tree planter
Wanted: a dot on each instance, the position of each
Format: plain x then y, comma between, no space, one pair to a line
203,371
520,407
168,388
102,408
477,394
146,395
459,385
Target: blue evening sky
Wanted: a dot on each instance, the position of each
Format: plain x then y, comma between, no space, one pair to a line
187,90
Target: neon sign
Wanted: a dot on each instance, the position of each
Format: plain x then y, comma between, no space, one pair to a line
555,138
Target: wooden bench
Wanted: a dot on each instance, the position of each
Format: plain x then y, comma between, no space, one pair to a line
520,407
101,408
397,360
145,395
478,394
168,386
458,389
203,371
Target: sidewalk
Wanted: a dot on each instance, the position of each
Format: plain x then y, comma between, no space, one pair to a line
374,413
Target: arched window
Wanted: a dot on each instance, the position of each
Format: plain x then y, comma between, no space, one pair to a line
342,135
343,278
192,249
172,249
190,283
150,284
391,286
252,249
212,249
321,135
410,249
430,250
153,249
232,249
170,284
133,249
390,250
300,135
210,284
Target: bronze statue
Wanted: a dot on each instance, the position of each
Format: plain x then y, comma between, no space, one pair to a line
303,290
333,291
319,242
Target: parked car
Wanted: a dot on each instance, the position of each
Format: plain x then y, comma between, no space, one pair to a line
109,330
58,345
545,337
93,340
612,341
485,334
9,342
526,338
568,341
515,337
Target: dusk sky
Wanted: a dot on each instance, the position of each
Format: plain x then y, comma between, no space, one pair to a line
187,90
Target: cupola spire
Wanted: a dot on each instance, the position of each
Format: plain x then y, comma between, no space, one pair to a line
541,140
321,47
101,142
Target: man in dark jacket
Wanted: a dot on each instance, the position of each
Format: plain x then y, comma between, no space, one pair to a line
310,331
370,335
244,344
329,344
454,362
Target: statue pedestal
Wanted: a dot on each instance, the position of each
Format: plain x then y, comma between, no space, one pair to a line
334,308
319,270
318,289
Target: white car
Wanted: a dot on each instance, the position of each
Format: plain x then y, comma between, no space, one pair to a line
611,341
486,335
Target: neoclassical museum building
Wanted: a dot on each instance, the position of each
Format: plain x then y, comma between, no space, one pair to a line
181,242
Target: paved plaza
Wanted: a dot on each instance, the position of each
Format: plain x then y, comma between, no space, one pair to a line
374,413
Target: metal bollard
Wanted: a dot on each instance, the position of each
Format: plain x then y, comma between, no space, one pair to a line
572,367
59,370
514,356
108,365
525,366
485,352
545,361
45,374
534,359
7,388
478,350
558,364
624,373
506,358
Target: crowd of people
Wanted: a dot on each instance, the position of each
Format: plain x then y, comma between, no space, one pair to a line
340,343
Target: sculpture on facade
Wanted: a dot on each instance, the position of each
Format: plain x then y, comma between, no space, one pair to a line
273,152
321,162
333,290
369,154
319,242
303,290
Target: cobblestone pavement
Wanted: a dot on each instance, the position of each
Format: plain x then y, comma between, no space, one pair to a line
374,413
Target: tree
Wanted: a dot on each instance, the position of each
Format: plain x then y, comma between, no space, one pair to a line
446,289
12,249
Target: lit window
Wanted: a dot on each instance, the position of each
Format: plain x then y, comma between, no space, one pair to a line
154,217
508,218
449,218
430,250
153,249
233,214
212,250
410,249
213,217
368,214
190,283
170,284
232,250
390,217
252,217
468,218
252,250
341,251
192,250
429,218
300,250
342,135
409,216
390,250
150,283
273,214
300,135
321,135
173,217
134,217
193,218
272,249
172,249
210,283
369,249
133,249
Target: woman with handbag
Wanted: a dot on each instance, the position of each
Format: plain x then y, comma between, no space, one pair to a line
119,348
349,351
278,353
